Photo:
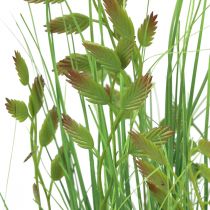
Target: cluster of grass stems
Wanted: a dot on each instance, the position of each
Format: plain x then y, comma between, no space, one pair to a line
135,163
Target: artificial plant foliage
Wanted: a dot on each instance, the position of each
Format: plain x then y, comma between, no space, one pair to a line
124,50
147,30
204,147
115,102
119,17
73,23
157,181
56,169
21,68
49,127
159,135
36,193
146,148
154,138
84,83
17,109
79,133
158,194
153,175
74,61
107,57
112,76
36,96
196,170
136,93
204,171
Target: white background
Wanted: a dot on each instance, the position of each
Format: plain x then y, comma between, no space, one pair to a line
19,194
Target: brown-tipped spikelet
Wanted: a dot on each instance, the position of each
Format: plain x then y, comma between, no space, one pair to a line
17,109
146,148
119,17
75,61
21,68
107,57
159,135
79,133
137,93
87,87
153,174
147,30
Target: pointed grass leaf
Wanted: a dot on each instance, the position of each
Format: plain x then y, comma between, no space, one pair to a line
17,109
48,128
153,175
119,17
204,147
137,93
205,172
21,68
43,1
73,23
87,87
124,50
145,148
147,30
36,96
80,134
108,58
159,135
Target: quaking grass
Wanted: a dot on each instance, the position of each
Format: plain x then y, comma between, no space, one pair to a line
163,158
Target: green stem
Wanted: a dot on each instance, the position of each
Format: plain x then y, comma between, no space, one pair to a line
115,124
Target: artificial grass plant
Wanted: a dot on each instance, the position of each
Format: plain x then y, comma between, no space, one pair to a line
116,92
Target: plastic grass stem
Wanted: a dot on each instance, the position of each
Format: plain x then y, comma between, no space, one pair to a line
196,61
4,202
125,170
62,132
182,113
40,53
60,184
105,22
35,161
116,122
168,99
59,104
196,189
206,190
10,161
